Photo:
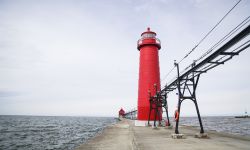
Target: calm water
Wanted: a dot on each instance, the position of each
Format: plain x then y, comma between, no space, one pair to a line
237,126
37,132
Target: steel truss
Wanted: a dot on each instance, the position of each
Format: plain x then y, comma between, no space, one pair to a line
186,82
187,91
131,114
158,102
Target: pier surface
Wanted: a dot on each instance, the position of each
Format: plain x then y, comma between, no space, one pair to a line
125,136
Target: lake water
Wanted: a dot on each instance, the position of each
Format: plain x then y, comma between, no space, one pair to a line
42,132
229,124
66,133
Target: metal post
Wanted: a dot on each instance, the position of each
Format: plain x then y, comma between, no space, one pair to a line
149,115
167,117
150,106
198,113
177,121
195,83
159,105
179,99
155,116
155,101
166,108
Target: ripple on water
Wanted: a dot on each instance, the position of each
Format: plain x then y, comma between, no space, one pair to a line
36,132
237,126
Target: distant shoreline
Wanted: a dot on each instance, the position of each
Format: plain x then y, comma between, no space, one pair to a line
110,116
59,116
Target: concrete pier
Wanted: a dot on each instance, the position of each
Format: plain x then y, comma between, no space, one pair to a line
125,136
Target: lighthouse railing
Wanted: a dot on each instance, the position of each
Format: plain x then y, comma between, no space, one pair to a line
157,41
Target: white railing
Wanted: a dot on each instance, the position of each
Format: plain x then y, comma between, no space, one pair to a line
157,41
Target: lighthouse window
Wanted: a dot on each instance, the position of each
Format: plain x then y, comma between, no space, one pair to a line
148,35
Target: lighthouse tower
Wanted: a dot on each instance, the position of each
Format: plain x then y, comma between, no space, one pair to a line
149,75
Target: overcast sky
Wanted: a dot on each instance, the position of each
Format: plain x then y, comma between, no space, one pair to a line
79,57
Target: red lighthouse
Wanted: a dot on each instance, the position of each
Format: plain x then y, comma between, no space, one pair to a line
149,74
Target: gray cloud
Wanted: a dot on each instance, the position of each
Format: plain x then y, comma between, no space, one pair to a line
5,94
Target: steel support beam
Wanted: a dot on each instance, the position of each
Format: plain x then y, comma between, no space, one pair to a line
187,91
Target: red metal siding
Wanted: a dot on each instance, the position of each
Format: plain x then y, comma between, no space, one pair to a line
149,74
